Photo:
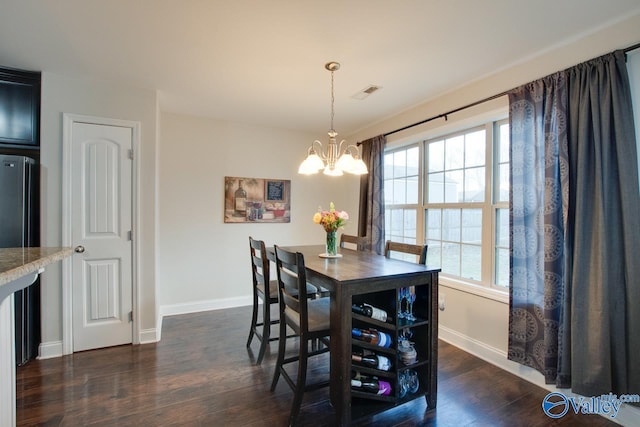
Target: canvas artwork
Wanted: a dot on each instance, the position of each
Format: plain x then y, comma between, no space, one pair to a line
257,200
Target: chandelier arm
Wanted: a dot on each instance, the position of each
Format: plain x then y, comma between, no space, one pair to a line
319,152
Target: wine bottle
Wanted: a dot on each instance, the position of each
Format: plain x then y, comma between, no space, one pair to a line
370,311
240,200
373,361
381,339
371,385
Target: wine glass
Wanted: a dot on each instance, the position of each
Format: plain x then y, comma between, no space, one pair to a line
411,297
401,297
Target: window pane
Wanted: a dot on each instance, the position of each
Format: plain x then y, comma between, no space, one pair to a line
453,186
475,148
399,191
502,267
471,262
397,218
504,143
451,258
474,179
410,225
502,228
399,163
451,225
436,156
434,224
454,153
434,252
436,187
472,226
388,167
413,161
412,190
503,183
388,191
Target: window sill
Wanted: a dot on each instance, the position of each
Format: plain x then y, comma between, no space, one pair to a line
470,288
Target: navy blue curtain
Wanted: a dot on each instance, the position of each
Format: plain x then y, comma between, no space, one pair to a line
371,217
575,204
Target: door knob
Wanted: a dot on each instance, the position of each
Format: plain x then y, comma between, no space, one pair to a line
79,249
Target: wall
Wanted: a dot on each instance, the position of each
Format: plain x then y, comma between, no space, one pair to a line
203,263
63,94
478,323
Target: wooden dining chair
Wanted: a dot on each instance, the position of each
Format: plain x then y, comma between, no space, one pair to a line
308,318
264,290
362,243
420,251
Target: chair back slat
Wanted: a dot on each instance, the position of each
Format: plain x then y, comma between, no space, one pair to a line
419,250
259,264
292,284
362,243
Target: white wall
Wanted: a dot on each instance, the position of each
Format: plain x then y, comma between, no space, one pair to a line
473,322
204,263
64,94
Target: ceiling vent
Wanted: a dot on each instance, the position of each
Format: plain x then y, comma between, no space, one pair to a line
366,92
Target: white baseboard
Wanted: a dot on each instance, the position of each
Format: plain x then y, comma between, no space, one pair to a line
195,307
49,350
149,336
627,416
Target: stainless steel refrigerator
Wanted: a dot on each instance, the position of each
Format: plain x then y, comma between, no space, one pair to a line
19,228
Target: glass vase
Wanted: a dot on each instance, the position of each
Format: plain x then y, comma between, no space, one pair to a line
332,244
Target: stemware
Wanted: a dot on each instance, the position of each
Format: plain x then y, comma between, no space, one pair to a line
411,297
401,297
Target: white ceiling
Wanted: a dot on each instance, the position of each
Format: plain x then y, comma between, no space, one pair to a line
262,61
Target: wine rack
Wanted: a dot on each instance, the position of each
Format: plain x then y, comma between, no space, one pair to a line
421,334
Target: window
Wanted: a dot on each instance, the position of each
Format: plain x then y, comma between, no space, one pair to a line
401,195
463,214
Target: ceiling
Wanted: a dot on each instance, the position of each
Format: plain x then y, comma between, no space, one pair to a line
262,62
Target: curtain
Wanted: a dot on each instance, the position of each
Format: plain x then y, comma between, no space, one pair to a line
575,290
371,216
538,215
604,229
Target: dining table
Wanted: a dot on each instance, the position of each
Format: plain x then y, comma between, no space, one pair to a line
364,276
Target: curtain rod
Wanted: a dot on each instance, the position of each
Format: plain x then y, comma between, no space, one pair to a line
473,104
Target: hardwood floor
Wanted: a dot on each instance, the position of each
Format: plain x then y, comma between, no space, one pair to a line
201,374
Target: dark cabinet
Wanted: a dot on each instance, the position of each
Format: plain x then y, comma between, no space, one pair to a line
413,368
19,109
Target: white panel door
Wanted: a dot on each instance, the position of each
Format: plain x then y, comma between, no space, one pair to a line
101,217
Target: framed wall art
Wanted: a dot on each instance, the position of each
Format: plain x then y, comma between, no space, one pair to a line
256,200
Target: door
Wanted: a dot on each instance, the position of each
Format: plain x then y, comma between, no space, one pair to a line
100,204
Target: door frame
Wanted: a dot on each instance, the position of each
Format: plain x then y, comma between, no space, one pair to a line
67,289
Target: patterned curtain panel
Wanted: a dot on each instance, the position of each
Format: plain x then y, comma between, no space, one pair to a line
371,218
604,229
539,188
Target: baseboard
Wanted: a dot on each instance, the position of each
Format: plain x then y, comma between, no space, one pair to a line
627,415
49,350
195,307
148,336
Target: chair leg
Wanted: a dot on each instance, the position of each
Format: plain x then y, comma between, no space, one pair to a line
281,349
254,318
301,382
266,330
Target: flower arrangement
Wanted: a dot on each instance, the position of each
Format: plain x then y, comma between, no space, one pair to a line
332,219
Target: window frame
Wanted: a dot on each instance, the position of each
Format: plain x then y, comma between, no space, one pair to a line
487,286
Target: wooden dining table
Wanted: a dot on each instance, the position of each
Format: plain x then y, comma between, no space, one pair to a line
361,276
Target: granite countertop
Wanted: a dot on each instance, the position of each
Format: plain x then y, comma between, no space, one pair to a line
18,262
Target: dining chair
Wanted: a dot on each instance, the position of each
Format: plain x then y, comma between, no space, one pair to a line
265,290
308,318
407,248
362,243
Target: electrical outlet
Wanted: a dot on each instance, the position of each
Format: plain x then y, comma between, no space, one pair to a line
441,302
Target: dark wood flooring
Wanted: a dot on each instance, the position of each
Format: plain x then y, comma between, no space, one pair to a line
201,374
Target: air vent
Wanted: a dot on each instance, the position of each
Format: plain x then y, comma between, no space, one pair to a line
366,92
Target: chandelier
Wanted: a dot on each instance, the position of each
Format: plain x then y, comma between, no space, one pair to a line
339,158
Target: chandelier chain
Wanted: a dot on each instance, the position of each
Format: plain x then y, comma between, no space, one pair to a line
332,100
